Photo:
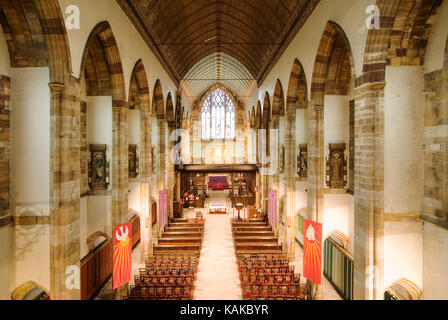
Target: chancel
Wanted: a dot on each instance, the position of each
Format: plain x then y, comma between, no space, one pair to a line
223,150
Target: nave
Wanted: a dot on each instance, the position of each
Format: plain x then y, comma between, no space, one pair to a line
223,269
323,123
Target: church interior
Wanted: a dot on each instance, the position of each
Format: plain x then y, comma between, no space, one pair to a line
217,132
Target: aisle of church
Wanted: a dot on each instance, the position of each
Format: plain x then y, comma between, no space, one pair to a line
217,277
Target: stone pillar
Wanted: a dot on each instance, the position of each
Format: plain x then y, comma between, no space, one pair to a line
120,173
369,189
170,169
316,173
65,189
145,181
290,181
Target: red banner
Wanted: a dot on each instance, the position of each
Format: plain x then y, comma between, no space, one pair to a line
312,251
122,254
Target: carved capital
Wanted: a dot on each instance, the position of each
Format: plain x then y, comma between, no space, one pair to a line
56,86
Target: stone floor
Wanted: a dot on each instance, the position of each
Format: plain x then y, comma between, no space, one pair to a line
217,277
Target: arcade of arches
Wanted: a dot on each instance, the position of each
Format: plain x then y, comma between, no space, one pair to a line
300,110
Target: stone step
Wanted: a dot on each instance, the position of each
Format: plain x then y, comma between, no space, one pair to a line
237,234
186,225
184,229
256,239
258,246
245,252
252,229
250,224
177,249
179,220
182,235
180,241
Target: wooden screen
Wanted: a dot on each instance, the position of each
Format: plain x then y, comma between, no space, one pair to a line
96,268
135,230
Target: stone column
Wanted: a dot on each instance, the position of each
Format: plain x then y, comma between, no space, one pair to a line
120,173
316,175
170,170
290,181
145,181
369,189
65,189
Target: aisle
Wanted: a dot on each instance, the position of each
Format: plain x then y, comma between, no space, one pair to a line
217,277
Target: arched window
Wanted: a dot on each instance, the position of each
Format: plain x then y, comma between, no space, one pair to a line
218,116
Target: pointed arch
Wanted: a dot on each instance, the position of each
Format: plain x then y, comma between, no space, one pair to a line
139,89
258,116
30,291
252,117
297,89
102,39
406,26
266,111
158,107
170,118
333,43
278,106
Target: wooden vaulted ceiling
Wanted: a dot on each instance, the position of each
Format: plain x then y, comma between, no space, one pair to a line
183,32
222,68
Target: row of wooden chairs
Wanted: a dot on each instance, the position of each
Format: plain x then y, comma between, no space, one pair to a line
165,277
147,281
263,262
270,280
174,258
273,292
166,271
171,262
160,293
266,270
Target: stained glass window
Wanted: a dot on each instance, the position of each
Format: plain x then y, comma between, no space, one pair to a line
218,116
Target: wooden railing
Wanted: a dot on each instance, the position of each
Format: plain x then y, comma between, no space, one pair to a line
96,268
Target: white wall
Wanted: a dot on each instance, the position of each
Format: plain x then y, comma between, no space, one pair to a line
134,196
98,214
134,138
336,214
99,122
403,143
32,255
336,122
403,250
435,259
30,172
30,136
